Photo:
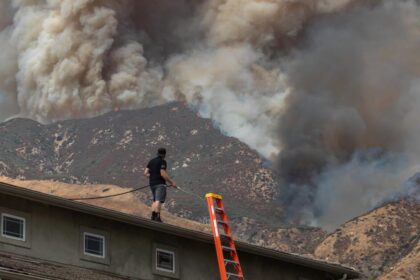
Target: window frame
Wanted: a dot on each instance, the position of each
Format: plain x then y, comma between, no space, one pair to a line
7,215
171,249
10,240
85,234
157,260
106,259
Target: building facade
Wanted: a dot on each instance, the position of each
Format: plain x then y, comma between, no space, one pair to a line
72,235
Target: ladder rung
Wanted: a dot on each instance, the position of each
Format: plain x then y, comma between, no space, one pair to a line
228,248
222,222
219,209
234,275
225,235
230,261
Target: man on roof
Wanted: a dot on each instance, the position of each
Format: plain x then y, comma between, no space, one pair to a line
158,179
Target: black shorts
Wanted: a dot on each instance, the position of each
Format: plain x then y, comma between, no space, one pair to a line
159,192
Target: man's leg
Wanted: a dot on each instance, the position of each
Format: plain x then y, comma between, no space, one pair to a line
158,206
160,199
153,189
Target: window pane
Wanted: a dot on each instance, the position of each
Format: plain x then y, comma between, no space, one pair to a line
94,245
13,227
165,260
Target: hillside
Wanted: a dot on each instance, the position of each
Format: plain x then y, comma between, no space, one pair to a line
114,149
377,241
407,268
296,239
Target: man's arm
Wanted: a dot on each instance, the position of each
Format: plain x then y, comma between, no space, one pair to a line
146,172
165,176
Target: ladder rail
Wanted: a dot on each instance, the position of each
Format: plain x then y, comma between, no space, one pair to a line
227,255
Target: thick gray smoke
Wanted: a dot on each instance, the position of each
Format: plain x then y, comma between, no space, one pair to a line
329,89
350,132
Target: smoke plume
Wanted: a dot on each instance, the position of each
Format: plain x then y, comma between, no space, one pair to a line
350,130
327,89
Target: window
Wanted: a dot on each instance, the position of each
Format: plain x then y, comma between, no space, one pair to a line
94,245
13,227
165,260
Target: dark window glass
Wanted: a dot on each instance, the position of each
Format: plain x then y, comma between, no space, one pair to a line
13,227
165,260
94,245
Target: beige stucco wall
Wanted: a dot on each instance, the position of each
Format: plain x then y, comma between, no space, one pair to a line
55,236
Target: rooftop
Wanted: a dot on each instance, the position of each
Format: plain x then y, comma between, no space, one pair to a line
57,201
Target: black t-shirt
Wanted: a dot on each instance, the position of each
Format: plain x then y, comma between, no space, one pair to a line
154,166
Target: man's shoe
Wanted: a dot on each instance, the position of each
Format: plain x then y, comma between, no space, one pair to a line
153,218
157,218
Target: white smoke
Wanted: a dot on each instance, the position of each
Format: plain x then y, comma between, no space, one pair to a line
71,61
226,85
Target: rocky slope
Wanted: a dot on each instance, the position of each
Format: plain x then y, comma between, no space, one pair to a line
296,239
407,268
376,241
114,149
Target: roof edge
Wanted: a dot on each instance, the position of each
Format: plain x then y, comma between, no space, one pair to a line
167,228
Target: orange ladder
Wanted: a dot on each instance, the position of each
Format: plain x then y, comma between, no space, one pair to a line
227,257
